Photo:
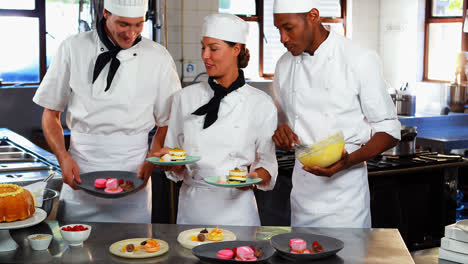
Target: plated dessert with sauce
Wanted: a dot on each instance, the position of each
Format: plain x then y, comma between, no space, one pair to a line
304,246
139,248
236,178
234,252
176,156
110,184
199,236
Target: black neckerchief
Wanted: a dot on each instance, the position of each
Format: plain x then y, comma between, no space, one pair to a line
107,56
212,107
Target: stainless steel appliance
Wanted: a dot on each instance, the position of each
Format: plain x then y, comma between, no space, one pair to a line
416,194
22,163
405,103
456,97
407,144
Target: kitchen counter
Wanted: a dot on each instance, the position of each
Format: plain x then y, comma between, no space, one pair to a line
440,133
361,245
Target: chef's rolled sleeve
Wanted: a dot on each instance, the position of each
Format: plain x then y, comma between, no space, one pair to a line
54,91
169,83
376,103
265,156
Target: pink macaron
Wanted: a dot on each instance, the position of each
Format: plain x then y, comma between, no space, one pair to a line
245,254
225,254
100,183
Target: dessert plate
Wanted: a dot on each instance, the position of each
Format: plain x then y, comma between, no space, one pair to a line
208,252
187,160
116,248
462,224
249,181
87,182
186,242
330,245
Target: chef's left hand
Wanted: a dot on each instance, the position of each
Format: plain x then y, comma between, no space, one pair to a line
340,165
254,174
144,172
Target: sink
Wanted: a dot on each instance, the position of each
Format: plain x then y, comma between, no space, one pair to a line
23,166
16,157
8,149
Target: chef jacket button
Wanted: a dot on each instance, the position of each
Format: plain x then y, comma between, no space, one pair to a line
297,116
134,54
102,49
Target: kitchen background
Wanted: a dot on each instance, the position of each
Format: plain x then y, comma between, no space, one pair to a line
393,28
403,191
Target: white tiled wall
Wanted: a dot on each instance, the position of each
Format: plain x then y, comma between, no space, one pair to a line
187,44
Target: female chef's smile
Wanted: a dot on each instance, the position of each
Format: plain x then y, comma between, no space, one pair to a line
123,31
220,59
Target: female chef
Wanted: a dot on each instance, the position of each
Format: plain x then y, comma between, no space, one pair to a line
226,122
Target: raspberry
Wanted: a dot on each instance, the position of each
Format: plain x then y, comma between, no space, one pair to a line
121,181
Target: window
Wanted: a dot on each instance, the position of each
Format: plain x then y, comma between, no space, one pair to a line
32,38
443,38
22,26
265,52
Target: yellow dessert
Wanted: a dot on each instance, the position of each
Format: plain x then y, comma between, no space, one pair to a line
152,245
323,153
237,176
16,203
215,234
177,153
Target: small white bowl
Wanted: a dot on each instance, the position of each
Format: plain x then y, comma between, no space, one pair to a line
75,238
40,244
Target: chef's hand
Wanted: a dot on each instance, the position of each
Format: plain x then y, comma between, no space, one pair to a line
70,171
258,173
285,138
162,152
340,165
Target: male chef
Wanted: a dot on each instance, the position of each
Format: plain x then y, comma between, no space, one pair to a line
325,84
116,86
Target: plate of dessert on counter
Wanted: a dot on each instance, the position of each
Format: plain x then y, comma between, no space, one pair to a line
110,184
235,252
236,178
176,156
200,236
139,248
303,246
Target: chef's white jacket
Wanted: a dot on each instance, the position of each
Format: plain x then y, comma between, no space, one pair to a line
109,130
340,87
240,137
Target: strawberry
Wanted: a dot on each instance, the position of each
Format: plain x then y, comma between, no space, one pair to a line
315,243
235,251
121,181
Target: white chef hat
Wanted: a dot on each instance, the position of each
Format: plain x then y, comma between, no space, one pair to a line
225,27
295,6
127,8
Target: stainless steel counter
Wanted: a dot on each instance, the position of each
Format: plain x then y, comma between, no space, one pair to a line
361,245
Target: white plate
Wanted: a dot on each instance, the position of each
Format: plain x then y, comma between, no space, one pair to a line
116,248
463,225
184,237
38,216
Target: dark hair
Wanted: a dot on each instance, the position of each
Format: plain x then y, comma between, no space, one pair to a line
243,57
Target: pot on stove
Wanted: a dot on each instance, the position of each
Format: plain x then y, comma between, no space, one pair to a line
407,144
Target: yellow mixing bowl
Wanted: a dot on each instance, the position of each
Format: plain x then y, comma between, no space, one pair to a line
323,153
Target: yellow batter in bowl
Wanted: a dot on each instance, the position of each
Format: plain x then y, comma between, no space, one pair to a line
323,153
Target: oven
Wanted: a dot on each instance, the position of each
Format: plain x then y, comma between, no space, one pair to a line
416,194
